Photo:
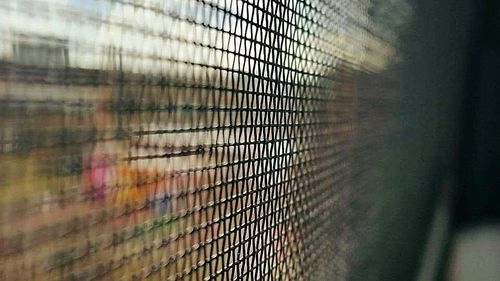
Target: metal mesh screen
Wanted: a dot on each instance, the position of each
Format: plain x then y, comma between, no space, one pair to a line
191,139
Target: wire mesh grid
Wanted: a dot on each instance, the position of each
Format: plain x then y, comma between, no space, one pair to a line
187,139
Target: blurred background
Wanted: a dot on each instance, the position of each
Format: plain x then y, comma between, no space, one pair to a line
253,140
474,247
